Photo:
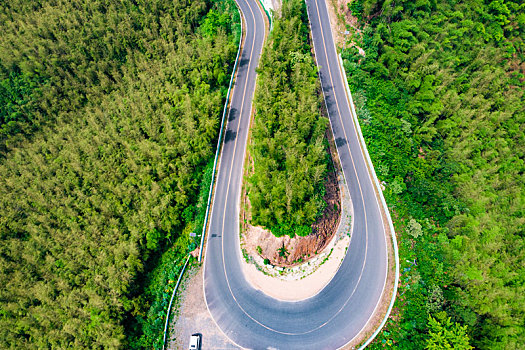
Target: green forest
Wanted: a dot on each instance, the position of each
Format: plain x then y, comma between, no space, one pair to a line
440,97
288,143
109,116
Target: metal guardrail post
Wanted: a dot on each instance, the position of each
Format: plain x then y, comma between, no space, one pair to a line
220,140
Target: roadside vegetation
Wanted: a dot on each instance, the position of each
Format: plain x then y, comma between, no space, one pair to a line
440,97
288,144
109,114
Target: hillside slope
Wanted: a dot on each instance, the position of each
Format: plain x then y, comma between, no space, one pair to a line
440,96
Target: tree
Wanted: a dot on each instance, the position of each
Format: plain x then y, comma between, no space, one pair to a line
288,147
445,334
440,99
116,106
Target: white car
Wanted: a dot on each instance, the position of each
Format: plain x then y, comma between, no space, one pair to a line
195,342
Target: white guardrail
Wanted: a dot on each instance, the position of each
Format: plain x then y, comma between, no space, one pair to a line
376,183
171,301
268,9
383,202
224,112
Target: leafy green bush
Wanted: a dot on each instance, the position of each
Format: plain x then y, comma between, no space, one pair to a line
18,93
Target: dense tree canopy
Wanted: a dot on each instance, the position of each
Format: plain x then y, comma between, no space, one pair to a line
440,95
444,334
109,111
288,146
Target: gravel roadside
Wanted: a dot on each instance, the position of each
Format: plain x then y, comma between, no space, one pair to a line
192,316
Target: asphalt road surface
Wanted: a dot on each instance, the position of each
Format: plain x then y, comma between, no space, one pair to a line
339,312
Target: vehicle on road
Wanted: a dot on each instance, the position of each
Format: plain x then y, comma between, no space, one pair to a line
195,341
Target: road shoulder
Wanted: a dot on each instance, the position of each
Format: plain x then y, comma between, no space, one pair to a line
192,316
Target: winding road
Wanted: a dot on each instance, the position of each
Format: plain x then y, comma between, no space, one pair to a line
341,310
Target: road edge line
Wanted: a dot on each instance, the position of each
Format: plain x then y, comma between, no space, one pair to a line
219,140
375,181
383,203
241,42
268,14
244,27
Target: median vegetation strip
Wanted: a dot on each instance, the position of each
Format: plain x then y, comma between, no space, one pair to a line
292,200
288,146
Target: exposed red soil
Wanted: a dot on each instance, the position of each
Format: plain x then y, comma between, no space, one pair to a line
259,241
